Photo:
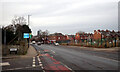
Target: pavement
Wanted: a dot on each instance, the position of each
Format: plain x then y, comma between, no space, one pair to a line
47,58
112,50
20,62
30,53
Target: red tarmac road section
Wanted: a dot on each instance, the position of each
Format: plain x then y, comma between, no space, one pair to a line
53,64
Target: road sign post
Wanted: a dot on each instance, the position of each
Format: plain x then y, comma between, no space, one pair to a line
27,36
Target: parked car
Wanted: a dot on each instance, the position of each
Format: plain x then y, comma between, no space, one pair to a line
15,50
33,42
38,43
56,44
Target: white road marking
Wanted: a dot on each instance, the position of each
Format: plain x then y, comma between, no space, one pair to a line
40,64
33,65
38,58
43,70
42,67
67,66
10,69
52,56
20,68
4,64
53,51
33,62
17,68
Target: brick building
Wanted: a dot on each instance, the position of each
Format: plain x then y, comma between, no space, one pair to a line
58,37
107,36
82,37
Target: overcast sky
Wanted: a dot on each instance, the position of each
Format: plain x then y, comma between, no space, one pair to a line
66,16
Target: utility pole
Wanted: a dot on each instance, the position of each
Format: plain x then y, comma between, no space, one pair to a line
29,20
28,26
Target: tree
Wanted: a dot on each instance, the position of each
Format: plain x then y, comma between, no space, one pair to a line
19,20
80,32
39,32
42,34
22,29
20,26
9,35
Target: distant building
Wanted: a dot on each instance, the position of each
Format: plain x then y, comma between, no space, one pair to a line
58,37
97,35
82,37
106,34
39,32
71,38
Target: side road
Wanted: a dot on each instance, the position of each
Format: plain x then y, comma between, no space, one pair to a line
30,53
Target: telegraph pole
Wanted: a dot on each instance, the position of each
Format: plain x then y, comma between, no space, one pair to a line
29,20
28,26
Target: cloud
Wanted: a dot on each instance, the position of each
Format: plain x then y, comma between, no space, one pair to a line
67,16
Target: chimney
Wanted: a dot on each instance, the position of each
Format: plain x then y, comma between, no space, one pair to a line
113,31
107,30
99,30
94,30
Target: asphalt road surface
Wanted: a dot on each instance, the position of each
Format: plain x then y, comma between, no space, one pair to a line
62,58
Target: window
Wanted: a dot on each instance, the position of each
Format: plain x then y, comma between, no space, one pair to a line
58,37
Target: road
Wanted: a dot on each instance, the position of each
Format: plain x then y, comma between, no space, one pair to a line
64,58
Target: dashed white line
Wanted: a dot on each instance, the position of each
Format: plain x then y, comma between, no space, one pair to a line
42,67
33,62
33,65
20,68
4,64
53,51
10,69
67,66
17,68
43,70
40,64
38,58
52,56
